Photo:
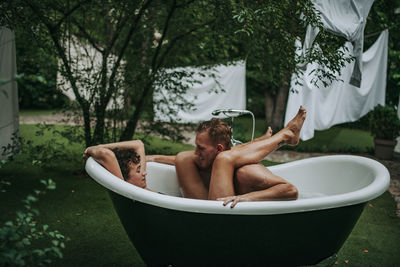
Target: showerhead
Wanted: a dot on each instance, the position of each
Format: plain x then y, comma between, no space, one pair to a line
230,112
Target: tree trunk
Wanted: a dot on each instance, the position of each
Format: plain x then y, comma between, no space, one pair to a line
130,128
269,107
275,107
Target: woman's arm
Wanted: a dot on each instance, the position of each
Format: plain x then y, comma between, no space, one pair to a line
105,157
136,145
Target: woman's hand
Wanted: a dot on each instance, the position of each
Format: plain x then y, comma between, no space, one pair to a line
233,199
86,153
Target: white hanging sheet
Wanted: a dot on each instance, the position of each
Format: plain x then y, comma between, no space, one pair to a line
9,120
346,18
341,102
231,78
86,63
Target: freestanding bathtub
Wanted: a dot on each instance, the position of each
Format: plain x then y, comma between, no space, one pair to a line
167,229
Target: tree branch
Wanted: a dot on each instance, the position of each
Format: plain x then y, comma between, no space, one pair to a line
57,25
53,35
160,41
126,43
185,4
177,38
87,36
118,31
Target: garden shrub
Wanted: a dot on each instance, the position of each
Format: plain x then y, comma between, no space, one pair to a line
20,239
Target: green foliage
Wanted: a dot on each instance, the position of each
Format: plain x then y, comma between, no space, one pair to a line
134,41
384,122
54,146
384,15
39,94
37,86
273,28
20,239
270,30
338,140
12,148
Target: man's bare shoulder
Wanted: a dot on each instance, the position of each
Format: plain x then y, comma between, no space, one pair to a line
186,155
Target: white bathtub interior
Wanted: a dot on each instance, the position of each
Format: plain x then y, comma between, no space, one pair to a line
313,178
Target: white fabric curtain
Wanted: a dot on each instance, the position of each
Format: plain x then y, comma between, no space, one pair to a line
346,18
9,120
341,102
231,78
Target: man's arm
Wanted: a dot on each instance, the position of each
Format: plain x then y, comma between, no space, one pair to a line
189,177
166,159
105,157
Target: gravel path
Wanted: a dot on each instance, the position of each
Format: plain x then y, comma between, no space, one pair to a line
278,156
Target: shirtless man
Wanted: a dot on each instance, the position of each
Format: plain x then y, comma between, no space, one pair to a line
216,171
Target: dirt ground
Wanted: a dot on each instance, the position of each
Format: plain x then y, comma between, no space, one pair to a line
278,156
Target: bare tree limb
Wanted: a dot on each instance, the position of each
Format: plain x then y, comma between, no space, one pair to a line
164,33
67,14
54,36
125,45
87,36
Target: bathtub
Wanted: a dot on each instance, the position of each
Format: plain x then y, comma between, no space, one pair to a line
167,229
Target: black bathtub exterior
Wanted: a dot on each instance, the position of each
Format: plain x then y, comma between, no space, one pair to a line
166,237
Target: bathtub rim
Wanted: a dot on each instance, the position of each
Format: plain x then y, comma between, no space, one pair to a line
378,186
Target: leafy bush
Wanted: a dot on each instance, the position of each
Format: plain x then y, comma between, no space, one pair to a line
384,123
12,148
35,92
20,239
52,145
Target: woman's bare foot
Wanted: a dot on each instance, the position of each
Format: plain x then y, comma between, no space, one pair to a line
269,132
292,129
267,135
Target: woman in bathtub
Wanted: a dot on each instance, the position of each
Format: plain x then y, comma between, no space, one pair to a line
126,160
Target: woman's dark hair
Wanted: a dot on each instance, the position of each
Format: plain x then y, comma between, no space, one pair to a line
125,157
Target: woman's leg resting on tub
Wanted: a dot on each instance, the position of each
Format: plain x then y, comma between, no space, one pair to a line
225,164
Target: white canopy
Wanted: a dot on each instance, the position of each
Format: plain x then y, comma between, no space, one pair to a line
9,120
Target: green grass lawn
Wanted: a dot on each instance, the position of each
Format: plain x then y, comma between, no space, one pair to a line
336,139
82,210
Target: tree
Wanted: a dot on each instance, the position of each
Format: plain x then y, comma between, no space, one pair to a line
272,29
136,41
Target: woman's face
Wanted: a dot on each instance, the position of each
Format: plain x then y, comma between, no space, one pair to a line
136,177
